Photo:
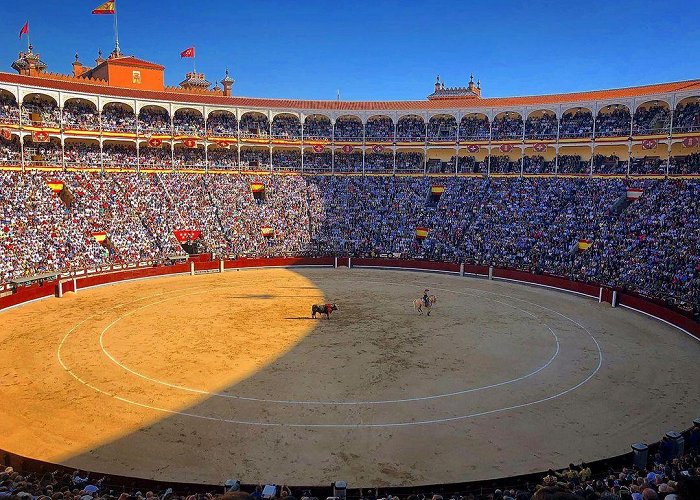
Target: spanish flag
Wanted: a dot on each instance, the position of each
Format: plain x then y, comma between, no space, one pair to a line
99,236
106,8
422,233
257,187
584,245
56,186
437,190
267,231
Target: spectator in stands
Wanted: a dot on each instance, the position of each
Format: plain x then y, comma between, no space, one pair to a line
542,127
475,128
410,129
254,125
188,122
80,115
9,111
379,128
687,118
286,127
442,128
154,120
116,118
613,122
318,127
222,125
576,124
348,128
508,126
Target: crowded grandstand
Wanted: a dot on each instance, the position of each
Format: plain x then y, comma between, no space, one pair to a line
518,188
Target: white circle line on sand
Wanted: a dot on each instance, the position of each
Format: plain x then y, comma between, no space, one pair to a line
362,425
319,402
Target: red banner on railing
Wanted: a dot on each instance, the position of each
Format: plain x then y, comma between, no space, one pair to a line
183,235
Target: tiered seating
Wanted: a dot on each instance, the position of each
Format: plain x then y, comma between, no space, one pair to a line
651,246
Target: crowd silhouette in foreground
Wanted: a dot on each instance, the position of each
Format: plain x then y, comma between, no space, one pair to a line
666,477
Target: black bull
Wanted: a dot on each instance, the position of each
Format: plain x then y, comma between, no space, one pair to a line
323,309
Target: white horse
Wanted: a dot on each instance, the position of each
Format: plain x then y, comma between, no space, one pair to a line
418,304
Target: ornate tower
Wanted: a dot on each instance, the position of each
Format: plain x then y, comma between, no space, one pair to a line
195,81
227,83
28,63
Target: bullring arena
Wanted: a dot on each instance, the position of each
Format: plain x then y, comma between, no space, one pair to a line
178,377
163,246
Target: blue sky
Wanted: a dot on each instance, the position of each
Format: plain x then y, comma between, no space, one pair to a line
383,50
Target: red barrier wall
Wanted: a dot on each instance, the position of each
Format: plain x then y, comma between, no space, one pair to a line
474,269
200,257
205,266
542,279
427,265
27,293
278,262
101,279
661,312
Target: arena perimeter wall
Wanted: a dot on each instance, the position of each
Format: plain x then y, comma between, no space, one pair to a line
198,264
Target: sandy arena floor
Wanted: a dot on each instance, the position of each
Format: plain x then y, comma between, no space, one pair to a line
211,377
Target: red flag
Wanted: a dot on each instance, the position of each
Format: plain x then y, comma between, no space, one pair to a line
187,52
105,8
24,30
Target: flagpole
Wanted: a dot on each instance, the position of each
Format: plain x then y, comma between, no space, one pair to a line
194,64
116,31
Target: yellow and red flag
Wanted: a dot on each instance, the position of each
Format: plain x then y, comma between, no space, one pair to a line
584,245
267,231
55,185
437,190
422,232
99,236
105,8
257,187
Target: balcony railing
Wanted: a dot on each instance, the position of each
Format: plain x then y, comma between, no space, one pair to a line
317,136
545,136
191,130
348,138
9,116
478,135
620,131
254,134
583,133
222,132
154,128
